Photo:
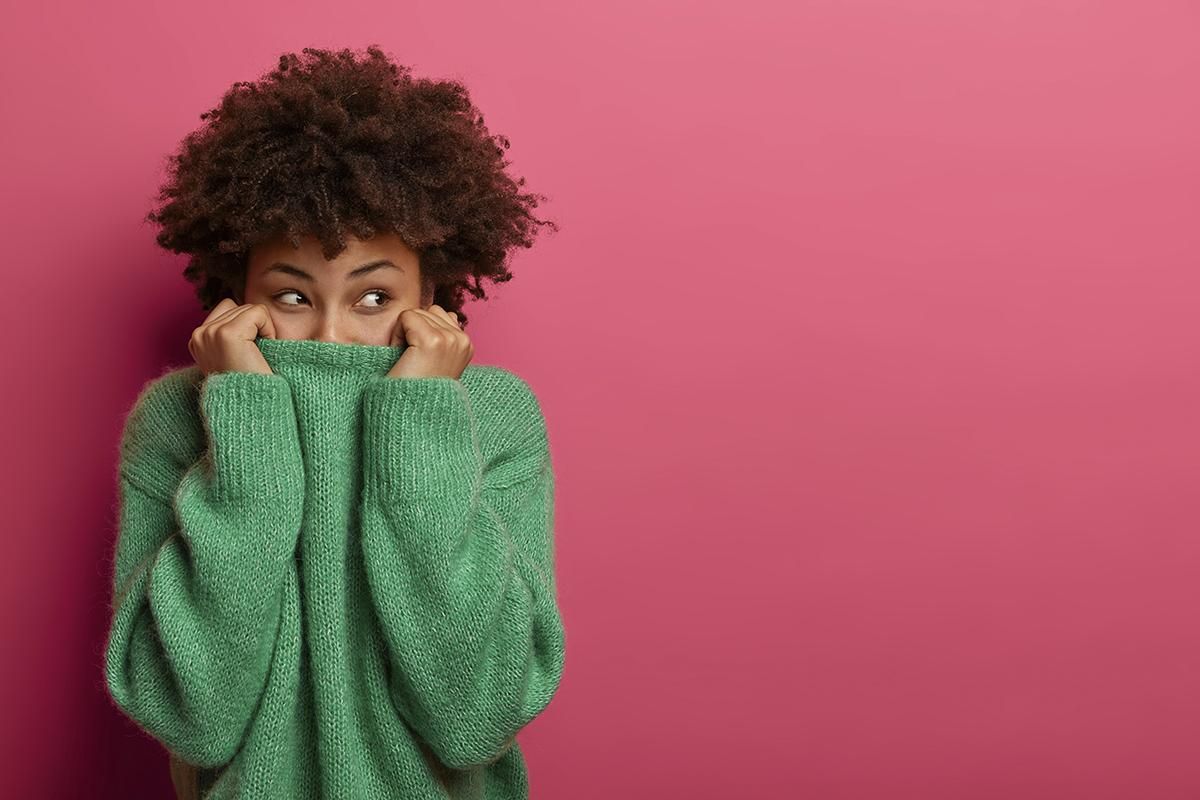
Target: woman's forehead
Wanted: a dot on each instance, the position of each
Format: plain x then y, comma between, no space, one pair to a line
378,255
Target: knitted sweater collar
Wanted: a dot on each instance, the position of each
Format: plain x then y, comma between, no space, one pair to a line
368,359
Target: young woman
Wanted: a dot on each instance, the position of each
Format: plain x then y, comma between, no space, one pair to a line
334,572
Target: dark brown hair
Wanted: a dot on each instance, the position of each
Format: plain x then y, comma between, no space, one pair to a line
327,143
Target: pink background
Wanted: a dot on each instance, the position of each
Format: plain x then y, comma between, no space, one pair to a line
868,347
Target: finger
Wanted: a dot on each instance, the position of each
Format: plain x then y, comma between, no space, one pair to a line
439,325
420,316
258,314
232,309
218,311
248,320
449,316
221,315
267,325
399,336
438,318
415,325
433,308
231,315
207,328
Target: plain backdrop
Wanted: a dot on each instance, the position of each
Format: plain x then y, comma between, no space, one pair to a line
868,347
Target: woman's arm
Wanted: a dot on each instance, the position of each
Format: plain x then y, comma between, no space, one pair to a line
460,563
202,553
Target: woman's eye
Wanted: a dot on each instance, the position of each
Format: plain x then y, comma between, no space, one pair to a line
378,304
381,294
284,294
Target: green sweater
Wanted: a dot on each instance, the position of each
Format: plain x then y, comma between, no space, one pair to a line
333,583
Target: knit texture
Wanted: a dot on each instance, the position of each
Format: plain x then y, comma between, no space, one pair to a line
333,583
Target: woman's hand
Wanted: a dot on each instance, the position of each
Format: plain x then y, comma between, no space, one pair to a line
224,342
436,345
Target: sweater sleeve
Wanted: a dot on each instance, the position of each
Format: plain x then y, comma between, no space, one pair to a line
459,557
201,557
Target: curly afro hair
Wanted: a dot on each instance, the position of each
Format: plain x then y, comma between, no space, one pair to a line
327,143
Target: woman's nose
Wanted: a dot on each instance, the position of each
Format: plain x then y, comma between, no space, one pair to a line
328,331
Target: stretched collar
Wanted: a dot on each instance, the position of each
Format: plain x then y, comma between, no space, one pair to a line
365,358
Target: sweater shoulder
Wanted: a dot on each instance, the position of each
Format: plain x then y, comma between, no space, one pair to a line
509,411
502,393
163,433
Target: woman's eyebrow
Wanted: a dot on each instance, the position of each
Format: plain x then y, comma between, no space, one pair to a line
291,269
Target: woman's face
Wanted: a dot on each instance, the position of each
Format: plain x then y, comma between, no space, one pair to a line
354,299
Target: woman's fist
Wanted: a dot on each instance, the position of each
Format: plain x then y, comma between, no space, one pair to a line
435,344
224,342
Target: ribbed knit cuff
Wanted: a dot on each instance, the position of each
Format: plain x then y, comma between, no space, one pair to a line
419,436
254,443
